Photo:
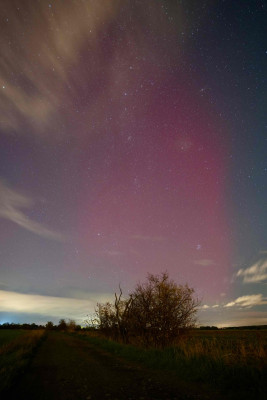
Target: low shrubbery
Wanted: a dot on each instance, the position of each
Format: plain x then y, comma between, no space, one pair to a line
156,313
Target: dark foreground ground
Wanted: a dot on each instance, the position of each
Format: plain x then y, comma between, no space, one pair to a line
66,367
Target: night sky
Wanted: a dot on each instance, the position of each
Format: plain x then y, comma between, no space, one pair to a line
133,139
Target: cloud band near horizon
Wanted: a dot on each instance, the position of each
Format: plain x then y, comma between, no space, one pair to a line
56,307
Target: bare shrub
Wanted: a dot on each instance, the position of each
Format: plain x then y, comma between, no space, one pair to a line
161,310
156,313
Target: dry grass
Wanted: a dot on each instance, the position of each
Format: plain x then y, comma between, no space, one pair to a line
8,335
15,355
240,347
234,362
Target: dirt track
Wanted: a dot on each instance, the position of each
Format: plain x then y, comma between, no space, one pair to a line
66,367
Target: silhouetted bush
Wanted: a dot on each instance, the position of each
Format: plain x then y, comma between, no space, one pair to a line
157,312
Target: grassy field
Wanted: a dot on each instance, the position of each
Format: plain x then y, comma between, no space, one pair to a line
234,360
16,349
8,335
230,363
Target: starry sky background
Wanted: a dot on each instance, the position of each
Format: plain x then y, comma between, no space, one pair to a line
133,139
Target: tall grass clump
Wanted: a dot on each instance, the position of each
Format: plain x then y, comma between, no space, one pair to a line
16,354
230,361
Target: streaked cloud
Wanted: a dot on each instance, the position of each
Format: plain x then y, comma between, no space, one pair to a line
57,307
243,320
232,316
206,306
239,312
60,53
254,274
11,203
205,262
36,90
248,301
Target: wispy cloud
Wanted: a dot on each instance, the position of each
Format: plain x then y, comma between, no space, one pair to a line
206,306
254,274
248,301
58,307
43,81
11,203
205,262
232,316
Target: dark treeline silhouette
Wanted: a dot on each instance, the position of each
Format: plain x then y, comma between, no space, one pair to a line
12,325
63,325
249,327
209,328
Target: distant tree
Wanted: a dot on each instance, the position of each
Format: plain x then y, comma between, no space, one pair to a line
49,325
62,325
71,325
